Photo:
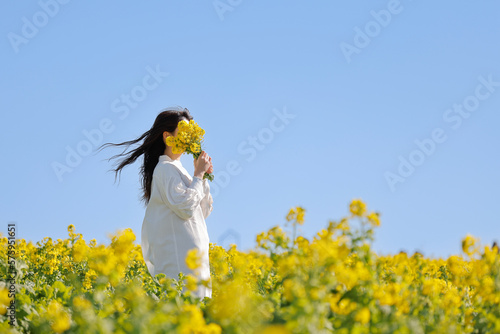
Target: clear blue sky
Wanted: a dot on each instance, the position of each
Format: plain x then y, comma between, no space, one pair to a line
361,81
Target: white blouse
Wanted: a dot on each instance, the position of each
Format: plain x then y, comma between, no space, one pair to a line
174,222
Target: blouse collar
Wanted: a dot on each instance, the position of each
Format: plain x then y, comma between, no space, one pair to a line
165,157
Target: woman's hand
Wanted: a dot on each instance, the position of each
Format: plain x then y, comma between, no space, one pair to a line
210,169
202,164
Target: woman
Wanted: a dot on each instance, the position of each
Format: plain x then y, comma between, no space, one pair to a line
177,204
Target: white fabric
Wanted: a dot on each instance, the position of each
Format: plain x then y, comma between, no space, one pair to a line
174,222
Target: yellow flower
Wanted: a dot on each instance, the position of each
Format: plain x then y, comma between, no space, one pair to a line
188,139
90,275
193,259
291,214
81,303
212,329
357,207
183,126
194,147
102,260
374,219
288,289
119,305
59,319
468,244
363,315
4,300
433,286
80,250
275,329
170,141
191,282
296,214
344,306
300,215
177,150
122,245
191,319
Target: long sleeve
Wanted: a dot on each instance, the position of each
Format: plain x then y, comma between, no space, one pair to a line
207,201
182,199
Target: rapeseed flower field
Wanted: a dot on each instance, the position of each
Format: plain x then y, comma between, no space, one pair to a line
331,283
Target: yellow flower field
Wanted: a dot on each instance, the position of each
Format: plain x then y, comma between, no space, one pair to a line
333,282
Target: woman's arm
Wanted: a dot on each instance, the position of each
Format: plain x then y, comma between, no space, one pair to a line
182,199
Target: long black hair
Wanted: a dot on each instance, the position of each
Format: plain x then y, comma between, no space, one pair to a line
152,146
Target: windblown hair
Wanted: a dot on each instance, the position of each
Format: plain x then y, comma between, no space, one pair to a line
152,147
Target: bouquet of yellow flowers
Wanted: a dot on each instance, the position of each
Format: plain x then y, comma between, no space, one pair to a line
188,139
